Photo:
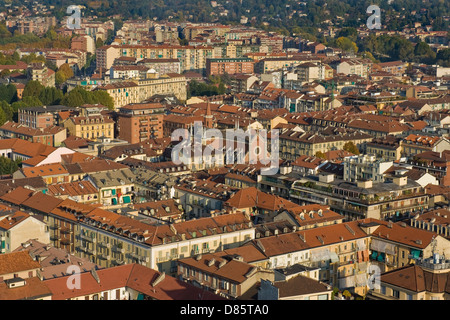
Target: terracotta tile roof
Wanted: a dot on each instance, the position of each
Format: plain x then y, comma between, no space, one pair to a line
232,270
27,131
249,253
74,142
33,289
17,196
313,213
309,162
54,261
314,238
337,154
72,188
300,285
142,279
66,209
252,197
405,235
26,148
132,276
162,208
42,202
15,262
416,279
437,217
422,140
53,169
10,218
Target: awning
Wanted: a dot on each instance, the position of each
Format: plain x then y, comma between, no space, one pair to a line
334,257
380,257
378,245
415,253
374,255
126,199
114,201
347,282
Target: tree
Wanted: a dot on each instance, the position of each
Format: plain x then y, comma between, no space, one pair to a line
73,99
3,118
346,44
8,93
33,89
8,166
32,101
7,110
66,70
51,96
60,78
351,147
103,97
99,43
5,73
320,154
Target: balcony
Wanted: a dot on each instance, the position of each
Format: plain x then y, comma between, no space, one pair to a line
87,238
104,256
55,237
133,255
104,244
66,242
118,249
66,231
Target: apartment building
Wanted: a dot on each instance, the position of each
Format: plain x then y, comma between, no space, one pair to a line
387,148
90,127
114,187
202,198
396,198
51,135
84,43
16,227
242,82
39,72
125,93
128,282
272,64
40,117
397,68
191,58
427,279
309,216
222,66
340,252
139,122
106,56
357,67
365,167
415,144
395,245
308,72
229,276
127,240
294,143
437,221
80,191
162,66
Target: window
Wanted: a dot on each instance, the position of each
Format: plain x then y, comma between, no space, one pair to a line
383,289
395,293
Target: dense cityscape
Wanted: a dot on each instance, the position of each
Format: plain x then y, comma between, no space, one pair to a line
224,150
